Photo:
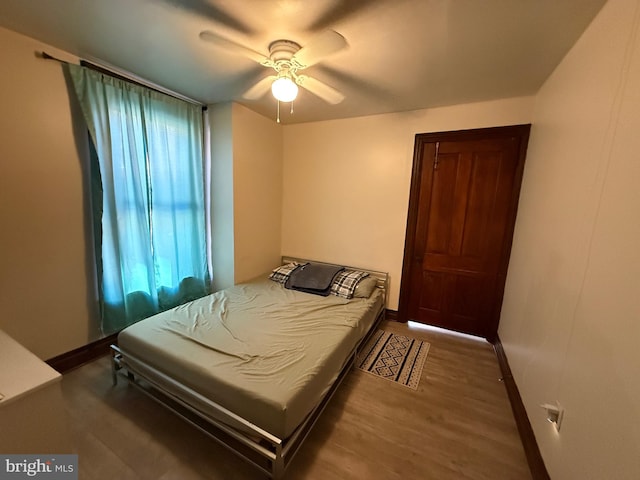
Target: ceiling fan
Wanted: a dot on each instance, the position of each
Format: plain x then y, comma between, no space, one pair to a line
287,58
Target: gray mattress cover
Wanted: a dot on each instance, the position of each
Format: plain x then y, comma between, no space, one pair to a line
263,352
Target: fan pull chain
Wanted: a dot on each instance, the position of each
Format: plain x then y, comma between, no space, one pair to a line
278,115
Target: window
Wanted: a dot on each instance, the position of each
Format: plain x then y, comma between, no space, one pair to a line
148,197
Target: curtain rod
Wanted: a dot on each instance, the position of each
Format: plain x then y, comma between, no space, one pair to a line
128,77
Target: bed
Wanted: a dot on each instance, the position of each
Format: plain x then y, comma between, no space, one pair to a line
252,366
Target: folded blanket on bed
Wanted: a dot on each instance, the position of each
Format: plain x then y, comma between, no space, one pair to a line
313,278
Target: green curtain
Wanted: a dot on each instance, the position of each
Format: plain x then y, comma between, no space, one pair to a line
147,195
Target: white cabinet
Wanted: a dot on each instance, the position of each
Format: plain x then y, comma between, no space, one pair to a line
33,419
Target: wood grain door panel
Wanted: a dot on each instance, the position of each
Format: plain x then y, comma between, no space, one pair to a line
454,301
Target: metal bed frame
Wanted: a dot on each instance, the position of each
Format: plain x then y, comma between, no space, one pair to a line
267,452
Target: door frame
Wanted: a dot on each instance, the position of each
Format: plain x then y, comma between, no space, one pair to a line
521,132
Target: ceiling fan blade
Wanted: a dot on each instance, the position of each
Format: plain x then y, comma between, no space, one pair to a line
233,47
259,89
212,12
341,11
325,44
320,89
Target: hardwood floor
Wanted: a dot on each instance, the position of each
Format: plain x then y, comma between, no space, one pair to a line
457,425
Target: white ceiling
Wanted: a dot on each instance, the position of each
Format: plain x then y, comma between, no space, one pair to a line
402,54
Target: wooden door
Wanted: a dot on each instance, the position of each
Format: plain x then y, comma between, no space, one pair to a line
463,201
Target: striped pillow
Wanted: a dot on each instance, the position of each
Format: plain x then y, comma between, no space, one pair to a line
345,283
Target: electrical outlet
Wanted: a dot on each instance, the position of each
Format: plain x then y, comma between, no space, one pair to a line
554,414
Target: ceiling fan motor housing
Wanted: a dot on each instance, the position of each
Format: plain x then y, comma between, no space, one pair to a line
280,50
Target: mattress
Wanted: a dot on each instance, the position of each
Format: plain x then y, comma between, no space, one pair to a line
263,352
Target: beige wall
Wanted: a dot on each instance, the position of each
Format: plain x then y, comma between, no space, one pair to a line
257,184
46,269
246,158
346,182
222,225
571,315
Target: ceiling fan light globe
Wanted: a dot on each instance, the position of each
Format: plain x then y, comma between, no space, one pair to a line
284,89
